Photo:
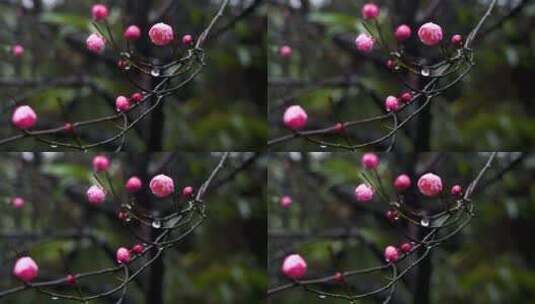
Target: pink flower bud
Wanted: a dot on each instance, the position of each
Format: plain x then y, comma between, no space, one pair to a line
71,279
430,184
123,255
95,43
95,195
17,50
363,193
17,202
285,51
392,104
24,117
430,34
406,247
136,97
456,191
369,161
339,277
402,182
161,34
364,43
187,191
132,33
285,201
187,40
137,249
133,184
392,215
122,104
295,118
68,128
406,97
294,267
162,185
100,163
391,254
457,40
390,64
122,216
339,127
25,269
403,32
370,11
99,12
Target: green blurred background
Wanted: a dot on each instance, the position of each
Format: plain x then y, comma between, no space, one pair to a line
492,109
222,109
490,261
222,261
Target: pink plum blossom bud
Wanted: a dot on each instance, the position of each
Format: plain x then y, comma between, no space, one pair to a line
136,97
285,201
95,195
123,255
364,43
295,118
370,11
456,191
99,12
402,182
285,51
430,34
132,33
392,104
390,64
294,267
406,97
24,117
133,184
17,202
403,32
187,191
161,34
122,104
25,269
162,185
101,163
95,43
363,193
457,39
391,254
17,50
71,279
430,184
137,249
370,161
406,247
187,39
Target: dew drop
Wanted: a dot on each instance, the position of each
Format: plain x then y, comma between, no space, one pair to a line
156,224
397,68
127,67
322,297
155,72
53,146
323,147
128,219
424,222
54,298
425,72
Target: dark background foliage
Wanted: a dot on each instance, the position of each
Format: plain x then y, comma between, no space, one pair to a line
490,261
491,109
223,261
223,108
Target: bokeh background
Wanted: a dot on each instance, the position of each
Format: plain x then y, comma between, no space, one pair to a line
222,109
492,108
489,261
223,261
